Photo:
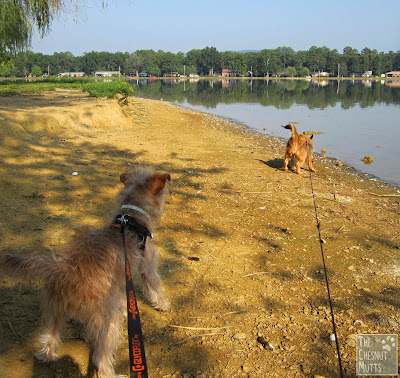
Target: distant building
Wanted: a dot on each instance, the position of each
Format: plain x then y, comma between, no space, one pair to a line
71,74
106,73
355,74
171,74
227,72
367,74
392,74
320,74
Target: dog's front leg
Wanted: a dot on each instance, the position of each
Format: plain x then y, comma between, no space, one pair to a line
151,278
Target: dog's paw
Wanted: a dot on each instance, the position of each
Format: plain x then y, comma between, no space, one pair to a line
162,306
46,357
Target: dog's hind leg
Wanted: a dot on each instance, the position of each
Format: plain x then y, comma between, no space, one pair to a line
310,164
286,162
50,339
299,163
105,332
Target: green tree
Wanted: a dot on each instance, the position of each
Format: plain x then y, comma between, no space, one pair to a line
270,62
209,61
133,63
5,68
252,62
332,61
240,63
155,70
19,18
286,56
317,58
36,70
396,61
304,72
147,59
299,60
352,57
291,71
192,59
169,63
227,59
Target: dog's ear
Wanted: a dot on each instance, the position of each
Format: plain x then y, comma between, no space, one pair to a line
125,178
157,181
312,136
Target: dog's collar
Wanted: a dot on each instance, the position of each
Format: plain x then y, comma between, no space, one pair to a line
137,209
126,220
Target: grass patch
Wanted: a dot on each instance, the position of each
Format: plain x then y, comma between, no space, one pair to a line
95,88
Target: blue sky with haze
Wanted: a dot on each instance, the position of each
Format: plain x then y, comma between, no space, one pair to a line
177,25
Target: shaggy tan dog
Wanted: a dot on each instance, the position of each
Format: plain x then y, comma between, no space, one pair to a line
299,149
85,280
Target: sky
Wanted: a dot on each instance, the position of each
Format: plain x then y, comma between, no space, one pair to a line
177,25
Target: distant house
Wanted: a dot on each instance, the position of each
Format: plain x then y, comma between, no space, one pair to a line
355,74
227,72
320,74
392,74
106,73
367,74
71,74
171,74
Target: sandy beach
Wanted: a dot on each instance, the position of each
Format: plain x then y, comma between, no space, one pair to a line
254,302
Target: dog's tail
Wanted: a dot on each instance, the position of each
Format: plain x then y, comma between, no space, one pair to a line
29,269
291,127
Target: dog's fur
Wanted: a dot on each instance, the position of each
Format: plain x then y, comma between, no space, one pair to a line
299,149
85,280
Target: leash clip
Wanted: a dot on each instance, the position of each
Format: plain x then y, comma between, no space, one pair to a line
121,221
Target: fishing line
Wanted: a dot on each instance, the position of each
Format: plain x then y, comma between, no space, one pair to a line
326,277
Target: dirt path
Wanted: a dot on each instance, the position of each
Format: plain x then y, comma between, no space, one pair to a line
257,289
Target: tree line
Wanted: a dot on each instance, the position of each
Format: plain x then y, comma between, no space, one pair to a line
282,94
282,61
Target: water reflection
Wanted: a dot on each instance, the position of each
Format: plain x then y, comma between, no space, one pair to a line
316,94
357,118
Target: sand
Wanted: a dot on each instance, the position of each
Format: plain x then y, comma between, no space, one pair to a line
256,291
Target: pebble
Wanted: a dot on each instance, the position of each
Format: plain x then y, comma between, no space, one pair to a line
306,369
239,336
360,323
351,340
246,369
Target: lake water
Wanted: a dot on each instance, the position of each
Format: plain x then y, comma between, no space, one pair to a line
357,118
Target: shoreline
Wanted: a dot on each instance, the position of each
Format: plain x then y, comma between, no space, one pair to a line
333,160
257,273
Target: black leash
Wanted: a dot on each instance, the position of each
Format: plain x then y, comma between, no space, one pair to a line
326,278
137,356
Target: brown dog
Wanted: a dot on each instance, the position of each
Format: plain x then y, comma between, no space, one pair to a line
85,280
299,149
